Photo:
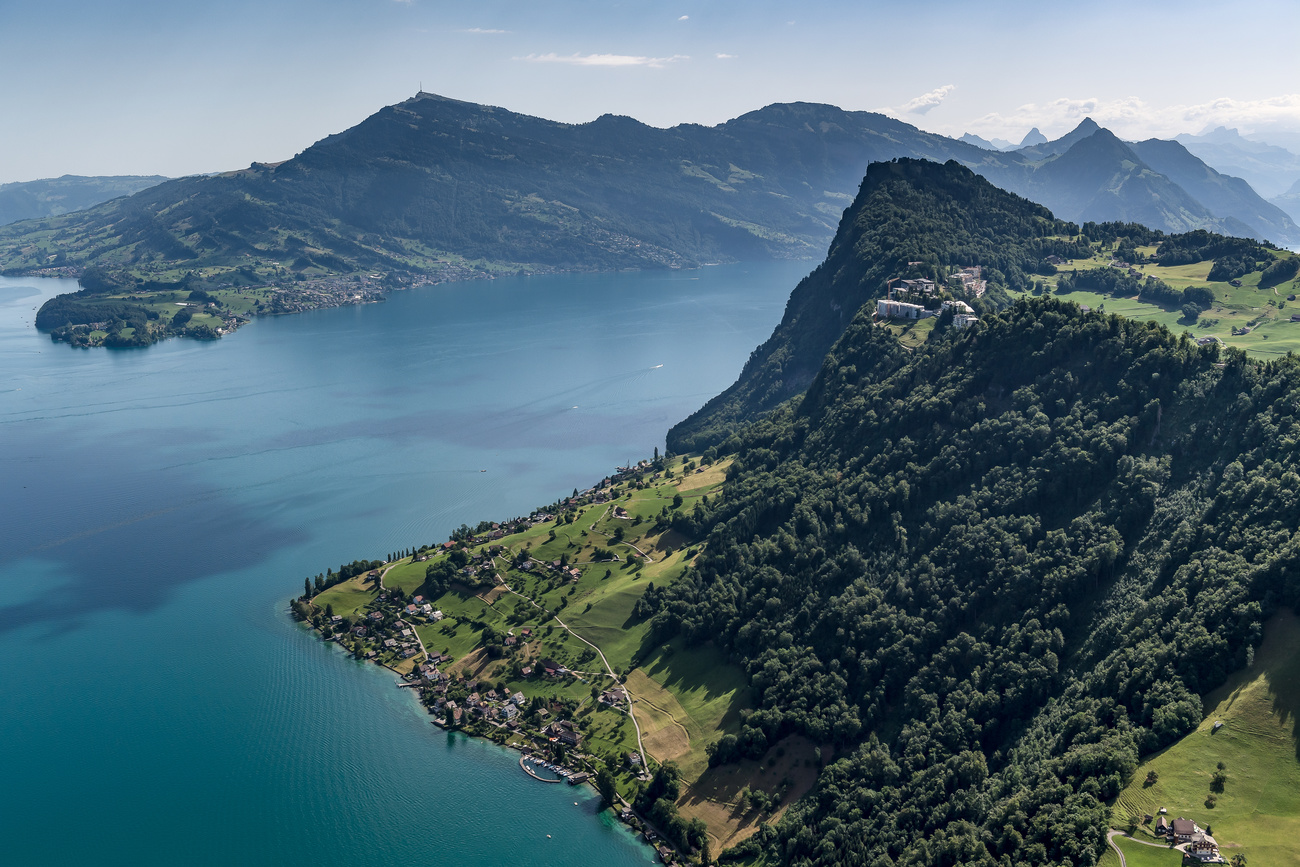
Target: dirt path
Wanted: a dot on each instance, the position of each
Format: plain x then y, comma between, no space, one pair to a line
609,670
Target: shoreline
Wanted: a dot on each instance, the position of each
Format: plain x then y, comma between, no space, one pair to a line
623,813
539,704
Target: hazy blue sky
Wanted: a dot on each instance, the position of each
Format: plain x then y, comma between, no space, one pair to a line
145,86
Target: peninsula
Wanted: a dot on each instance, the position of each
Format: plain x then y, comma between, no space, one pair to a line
978,593
529,632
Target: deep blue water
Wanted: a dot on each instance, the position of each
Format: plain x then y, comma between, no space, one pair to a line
159,506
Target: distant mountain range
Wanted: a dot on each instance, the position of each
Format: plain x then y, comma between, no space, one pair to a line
1271,170
50,197
432,184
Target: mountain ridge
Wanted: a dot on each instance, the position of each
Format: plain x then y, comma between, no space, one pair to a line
433,189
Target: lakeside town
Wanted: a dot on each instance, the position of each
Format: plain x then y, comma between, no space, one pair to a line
541,688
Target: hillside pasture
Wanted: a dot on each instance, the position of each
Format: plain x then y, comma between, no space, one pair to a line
1258,811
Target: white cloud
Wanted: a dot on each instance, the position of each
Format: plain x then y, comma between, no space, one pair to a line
1133,118
926,101
483,30
684,18
604,59
726,56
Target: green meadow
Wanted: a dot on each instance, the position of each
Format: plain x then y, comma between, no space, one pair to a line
1257,811
1267,312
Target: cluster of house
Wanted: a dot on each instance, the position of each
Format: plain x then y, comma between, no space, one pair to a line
1131,270
1195,842
969,280
963,315
421,607
491,704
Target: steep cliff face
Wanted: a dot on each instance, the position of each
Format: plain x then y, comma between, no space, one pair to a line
911,218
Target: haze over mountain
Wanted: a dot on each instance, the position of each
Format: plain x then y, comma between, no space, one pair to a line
1269,169
1290,201
48,197
436,185
1033,137
997,144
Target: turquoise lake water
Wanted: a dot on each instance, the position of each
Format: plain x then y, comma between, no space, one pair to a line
159,506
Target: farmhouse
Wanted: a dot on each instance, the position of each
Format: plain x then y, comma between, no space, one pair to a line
1203,848
1183,829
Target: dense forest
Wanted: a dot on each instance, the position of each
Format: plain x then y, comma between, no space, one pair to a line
914,218
994,571
940,217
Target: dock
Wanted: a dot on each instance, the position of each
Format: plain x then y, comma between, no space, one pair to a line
529,771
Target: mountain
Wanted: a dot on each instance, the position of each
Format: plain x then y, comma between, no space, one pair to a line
997,144
1032,138
1089,174
1041,148
1224,196
1289,201
50,197
1100,178
943,217
1269,169
972,139
434,189
993,573
433,182
919,219
994,570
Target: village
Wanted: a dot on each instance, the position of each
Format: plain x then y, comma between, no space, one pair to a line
922,298
551,708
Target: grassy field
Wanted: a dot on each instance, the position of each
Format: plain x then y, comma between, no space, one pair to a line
911,333
349,597
1265,311
684,698
1258,811
1138,854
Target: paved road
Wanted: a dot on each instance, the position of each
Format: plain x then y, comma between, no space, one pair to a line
409,626
1110,838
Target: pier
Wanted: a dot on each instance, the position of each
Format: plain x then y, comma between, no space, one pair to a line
529,771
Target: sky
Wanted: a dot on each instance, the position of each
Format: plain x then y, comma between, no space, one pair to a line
172,87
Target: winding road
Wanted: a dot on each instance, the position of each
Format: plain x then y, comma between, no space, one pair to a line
1110,838
608,669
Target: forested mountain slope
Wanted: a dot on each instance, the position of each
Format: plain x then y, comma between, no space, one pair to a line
436,186
994,572
433,177
48,197
942,217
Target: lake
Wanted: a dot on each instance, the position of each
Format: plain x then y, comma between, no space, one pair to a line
161,505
